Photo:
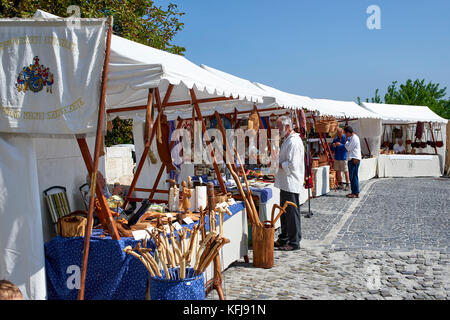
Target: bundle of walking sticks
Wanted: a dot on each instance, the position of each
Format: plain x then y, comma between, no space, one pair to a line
174,251
247,198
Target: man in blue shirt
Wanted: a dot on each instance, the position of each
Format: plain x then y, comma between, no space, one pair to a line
340,159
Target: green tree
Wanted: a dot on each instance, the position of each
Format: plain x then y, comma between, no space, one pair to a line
121,133
416,93
139,20
376,99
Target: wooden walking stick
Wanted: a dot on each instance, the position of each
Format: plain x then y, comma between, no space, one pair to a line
249,209
249,192
282,210
217,265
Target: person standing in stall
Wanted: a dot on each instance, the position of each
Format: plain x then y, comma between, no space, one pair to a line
340,159
289,179
353,147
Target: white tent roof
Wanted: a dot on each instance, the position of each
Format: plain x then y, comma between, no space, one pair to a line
134,68
289,100
344,109
403,113
248,86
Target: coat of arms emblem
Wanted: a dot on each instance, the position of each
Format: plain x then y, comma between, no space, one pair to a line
35,77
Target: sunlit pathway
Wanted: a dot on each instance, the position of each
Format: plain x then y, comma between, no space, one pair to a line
391,243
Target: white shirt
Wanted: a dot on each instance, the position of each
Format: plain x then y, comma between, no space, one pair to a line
353,147
398,148
292,156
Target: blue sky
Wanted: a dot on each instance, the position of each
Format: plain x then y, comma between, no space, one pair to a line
320,48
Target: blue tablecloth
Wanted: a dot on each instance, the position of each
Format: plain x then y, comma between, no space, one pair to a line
264,194
111,274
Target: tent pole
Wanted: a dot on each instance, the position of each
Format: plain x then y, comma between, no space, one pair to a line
149,133
432,136
101,113
208,143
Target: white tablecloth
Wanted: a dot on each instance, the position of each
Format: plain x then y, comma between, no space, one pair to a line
236,230
265,209
367,169
408,166
321,181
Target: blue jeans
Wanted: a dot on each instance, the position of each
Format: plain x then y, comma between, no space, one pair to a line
353,173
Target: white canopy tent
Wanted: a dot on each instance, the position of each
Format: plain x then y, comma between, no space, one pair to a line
26,158
343,109
394,113
365,123
401,115
133,69
289,100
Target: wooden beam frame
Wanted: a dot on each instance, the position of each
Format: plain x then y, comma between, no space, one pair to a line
325,146
148,136
166,104
208,142
161,169
432,136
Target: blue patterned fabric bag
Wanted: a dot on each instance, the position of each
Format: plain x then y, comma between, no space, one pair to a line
190,288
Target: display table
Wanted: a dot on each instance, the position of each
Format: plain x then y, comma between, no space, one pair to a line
367,169
114,275
408,165
321,181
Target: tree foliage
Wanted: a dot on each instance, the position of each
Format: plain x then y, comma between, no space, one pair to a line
416,93
121,133
139,20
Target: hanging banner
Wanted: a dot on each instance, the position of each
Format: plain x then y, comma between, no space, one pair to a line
51,74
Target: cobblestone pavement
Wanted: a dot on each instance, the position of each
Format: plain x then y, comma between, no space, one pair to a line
391,243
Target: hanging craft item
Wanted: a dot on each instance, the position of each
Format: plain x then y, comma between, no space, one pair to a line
162,142
333,126
408,135
322,126
385,139
419,130
398,133
253,121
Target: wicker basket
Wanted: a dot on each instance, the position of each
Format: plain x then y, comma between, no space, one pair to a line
322,126
332,179
71,226
333,126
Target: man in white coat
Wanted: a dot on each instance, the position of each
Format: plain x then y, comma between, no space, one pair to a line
289,179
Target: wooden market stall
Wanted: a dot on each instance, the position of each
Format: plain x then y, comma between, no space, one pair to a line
423,133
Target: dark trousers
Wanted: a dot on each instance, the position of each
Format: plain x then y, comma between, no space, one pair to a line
290,221
353,173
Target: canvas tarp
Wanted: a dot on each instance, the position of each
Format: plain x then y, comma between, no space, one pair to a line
343,109
393,113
